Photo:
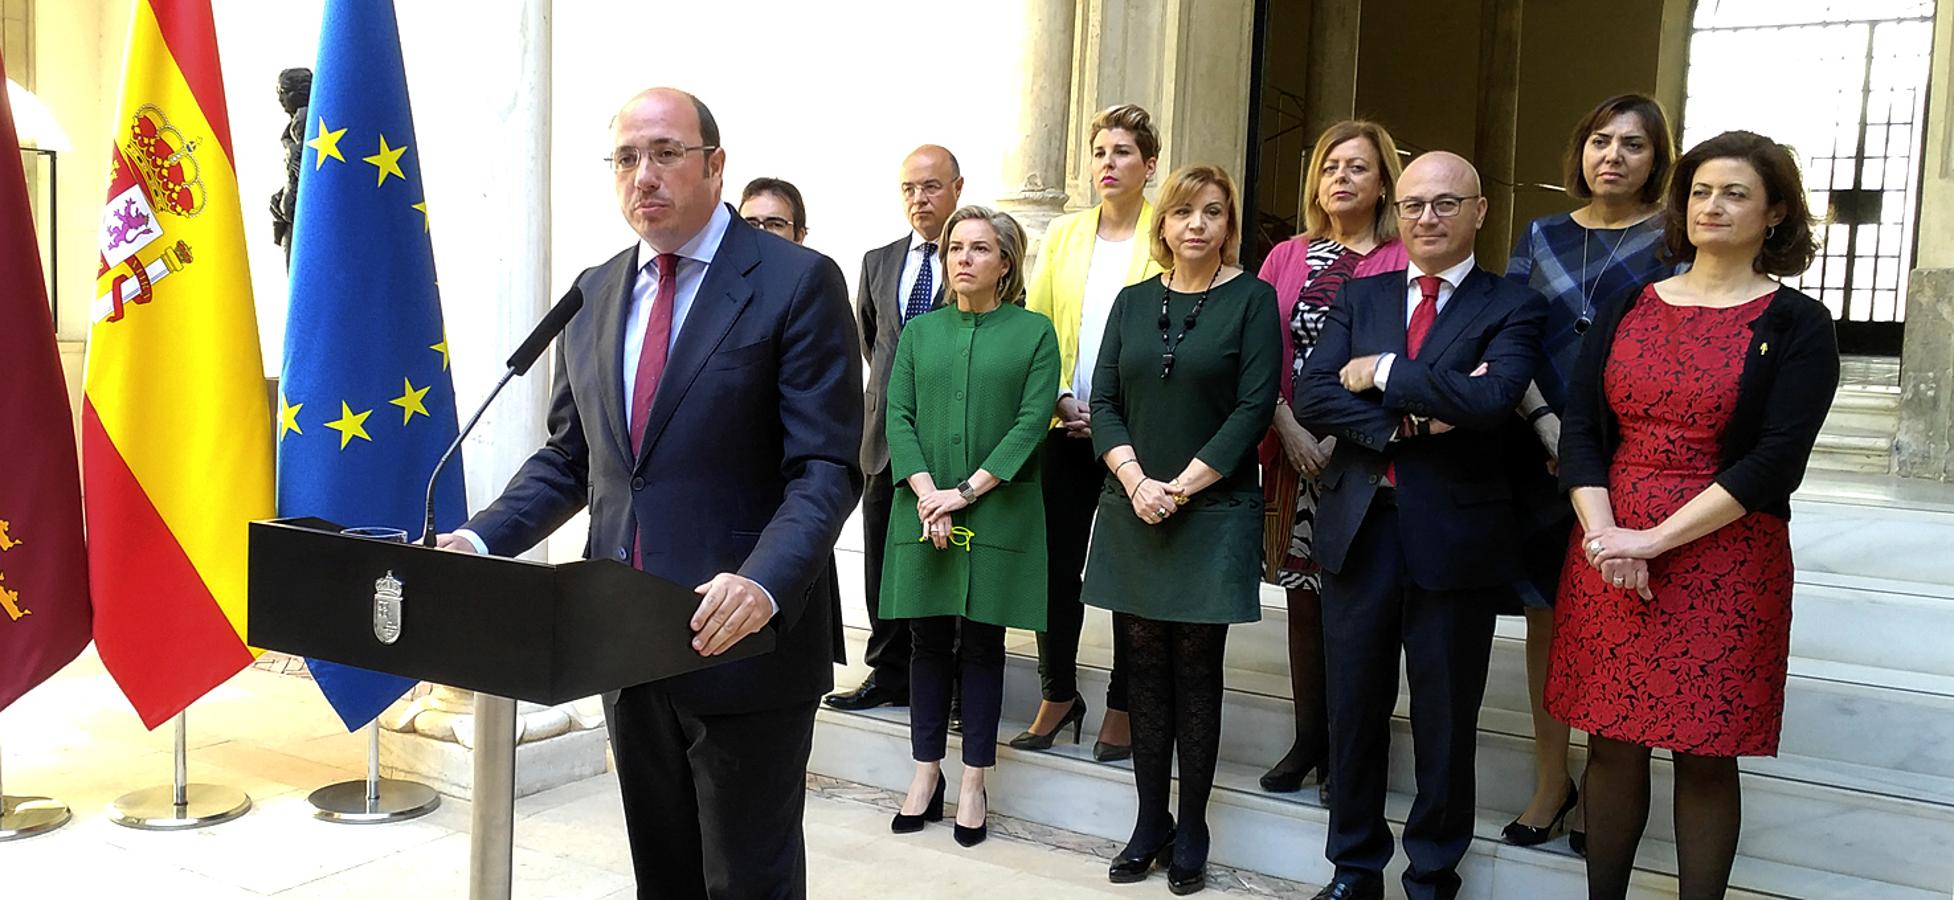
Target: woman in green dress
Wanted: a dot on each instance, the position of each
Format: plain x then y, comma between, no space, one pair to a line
969,402
1184,390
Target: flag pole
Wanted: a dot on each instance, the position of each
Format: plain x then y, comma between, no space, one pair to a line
374,800
179,804
22,817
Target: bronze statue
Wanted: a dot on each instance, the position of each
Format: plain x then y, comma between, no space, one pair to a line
295,95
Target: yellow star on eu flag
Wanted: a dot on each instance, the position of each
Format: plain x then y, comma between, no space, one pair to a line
288,417
327,143
411,402
387,160
441,348
422,206
350,425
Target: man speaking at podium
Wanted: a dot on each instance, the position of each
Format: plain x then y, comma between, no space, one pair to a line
707,405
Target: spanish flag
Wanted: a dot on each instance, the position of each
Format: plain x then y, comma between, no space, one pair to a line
176,424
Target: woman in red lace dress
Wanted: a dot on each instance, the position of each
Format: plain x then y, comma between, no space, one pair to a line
1691,415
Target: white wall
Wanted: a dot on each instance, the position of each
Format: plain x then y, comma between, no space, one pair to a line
829,96
828,101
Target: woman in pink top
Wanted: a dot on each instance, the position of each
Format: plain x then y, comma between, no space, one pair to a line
1350,232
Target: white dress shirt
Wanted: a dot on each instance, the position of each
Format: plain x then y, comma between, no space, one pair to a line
693,258
1104,280
913,264
1448,282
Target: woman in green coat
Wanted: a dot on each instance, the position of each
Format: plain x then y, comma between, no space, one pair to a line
969,401
1185,389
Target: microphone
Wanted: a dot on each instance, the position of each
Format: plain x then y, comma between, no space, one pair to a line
525,356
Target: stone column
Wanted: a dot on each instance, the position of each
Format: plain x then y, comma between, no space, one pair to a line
1035,171
1335,27
491,249
1497,124
1926,433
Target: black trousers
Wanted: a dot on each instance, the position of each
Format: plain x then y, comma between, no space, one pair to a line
712,803
888,639
1071,479
1371,611
945,652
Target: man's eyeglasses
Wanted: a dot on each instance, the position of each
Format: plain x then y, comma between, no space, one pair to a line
663,154
774,224
1443,207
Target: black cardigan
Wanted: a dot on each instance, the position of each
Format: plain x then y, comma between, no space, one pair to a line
1791,373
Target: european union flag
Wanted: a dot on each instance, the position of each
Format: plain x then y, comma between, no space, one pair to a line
366,405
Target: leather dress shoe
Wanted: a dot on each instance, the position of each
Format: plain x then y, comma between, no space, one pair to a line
868,696
1350,890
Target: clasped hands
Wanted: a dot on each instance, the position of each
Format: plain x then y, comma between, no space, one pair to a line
933,509
1154,501
1622,556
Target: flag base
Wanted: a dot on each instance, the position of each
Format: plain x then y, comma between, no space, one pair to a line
22,817
351,803
156,809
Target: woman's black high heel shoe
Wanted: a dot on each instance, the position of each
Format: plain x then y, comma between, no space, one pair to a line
1577,841
1190,875
1289,775
971,837
1527,835
1075,717
1129,867
902,824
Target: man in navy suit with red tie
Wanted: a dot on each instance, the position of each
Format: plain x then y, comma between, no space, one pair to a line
1417,374
706,408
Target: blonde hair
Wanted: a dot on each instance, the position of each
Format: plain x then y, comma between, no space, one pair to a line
1384,225
1010,245
1132,119
1178,192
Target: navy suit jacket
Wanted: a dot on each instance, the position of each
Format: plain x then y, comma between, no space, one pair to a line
750,461
1454,490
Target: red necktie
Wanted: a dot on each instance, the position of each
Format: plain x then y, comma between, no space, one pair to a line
658,339
1423,316
1415,333
651,364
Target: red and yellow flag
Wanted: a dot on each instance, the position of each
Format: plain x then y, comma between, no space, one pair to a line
176,427
43,568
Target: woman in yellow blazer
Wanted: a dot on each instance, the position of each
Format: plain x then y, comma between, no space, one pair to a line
1087,258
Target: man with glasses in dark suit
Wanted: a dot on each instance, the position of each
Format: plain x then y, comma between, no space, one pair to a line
899,282
1417,374
704,409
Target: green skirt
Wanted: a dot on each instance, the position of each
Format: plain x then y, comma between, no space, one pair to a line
1203,565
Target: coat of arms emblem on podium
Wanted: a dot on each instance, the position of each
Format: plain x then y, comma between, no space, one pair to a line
386,608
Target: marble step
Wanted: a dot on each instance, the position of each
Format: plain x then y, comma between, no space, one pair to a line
1882,625
1853,449
1882,730
1283,835
1792,804
1867,407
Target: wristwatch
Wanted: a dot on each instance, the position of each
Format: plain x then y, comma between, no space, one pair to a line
968,493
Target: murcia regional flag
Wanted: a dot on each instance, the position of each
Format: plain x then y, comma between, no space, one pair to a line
176,424
43,568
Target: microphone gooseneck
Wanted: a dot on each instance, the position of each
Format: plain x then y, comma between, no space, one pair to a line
524,357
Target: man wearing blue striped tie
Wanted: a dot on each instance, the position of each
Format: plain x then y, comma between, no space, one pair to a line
898,281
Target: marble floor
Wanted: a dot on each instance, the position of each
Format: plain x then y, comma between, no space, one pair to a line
268,732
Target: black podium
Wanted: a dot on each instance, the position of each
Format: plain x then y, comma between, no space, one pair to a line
533,631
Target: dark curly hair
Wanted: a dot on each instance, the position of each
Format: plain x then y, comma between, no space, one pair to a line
1789,246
